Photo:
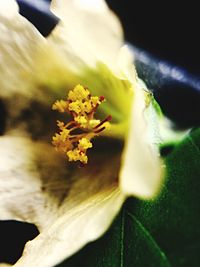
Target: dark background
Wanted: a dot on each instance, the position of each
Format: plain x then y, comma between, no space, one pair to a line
169,30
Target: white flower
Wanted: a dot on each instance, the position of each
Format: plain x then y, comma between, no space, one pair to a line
71,206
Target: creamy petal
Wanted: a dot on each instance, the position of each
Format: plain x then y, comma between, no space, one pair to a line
19,44
71,206
141,171
125,64
88,32
9,9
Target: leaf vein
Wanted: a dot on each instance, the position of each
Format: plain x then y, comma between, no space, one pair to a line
156,246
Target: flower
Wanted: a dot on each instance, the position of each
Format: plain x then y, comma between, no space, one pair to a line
71,206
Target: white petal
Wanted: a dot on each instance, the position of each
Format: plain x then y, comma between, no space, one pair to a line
8,9
141,170
72,231
71,206
19,43
125,64
88,32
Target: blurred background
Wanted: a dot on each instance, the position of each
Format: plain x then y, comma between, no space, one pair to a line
167,30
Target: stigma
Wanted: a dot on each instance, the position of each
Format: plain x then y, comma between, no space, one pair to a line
74,137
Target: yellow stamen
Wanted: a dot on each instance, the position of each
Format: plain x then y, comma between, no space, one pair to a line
82,106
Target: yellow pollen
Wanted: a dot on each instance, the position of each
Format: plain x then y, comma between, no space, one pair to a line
77,155
78,93
82,121
74,138
94,123
84,144
61,106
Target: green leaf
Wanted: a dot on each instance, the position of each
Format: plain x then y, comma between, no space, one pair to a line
164,232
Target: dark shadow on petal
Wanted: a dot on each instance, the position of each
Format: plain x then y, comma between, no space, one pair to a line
40,121
37,119
3,117
14,236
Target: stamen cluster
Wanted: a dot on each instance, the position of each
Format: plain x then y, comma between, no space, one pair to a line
74,138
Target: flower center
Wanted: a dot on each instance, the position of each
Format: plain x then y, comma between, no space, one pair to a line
74,138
